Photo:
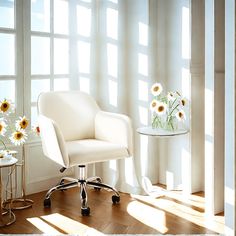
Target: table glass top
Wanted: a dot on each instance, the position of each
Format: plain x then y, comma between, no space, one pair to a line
148,130
8,161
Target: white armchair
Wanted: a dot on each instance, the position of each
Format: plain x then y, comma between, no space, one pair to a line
75,132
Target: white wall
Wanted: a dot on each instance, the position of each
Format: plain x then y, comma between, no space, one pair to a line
41,172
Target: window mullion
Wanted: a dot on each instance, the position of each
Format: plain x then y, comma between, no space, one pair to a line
26,53
19,57
51,45
73,60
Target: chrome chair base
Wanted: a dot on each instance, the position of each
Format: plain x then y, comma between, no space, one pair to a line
95,182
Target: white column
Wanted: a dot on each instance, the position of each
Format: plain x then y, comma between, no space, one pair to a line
214,106
195,182
230,88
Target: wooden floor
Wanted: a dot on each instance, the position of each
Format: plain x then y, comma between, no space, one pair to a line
136,214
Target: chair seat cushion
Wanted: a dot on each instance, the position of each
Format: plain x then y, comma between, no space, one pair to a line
92,150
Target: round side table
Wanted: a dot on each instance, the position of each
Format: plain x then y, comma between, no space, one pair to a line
148,130
7,217
158,133
21,202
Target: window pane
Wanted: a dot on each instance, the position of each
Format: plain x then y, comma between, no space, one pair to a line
112,59
7,54
38,86
61,84
84,57
40,55
40,15
7,13
61,52
143,91
186,33
34,116
113,93
84,84
83,20
7,90
61,16
112,23
143,33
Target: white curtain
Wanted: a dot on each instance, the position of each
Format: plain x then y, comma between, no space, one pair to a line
139,42
124,75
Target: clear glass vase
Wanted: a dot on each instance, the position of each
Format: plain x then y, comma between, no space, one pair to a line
164,123
171,126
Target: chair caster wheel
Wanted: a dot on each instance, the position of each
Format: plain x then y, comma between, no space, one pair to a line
85,211
47,202
115,199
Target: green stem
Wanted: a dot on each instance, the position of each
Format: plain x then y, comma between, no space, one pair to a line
3,144
173,109
154,121
173,103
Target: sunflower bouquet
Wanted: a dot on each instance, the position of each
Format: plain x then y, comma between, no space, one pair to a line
15,130
168,111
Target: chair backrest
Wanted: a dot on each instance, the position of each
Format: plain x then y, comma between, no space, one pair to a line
73,111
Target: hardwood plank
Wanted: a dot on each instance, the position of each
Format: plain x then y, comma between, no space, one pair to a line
136,214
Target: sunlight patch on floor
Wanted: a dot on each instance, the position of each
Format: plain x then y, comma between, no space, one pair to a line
63,223
190,209
42,226
150,216
194,200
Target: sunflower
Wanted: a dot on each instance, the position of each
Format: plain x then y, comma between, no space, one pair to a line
5,105
3,126
180,115
153,104
22,123
18,137
156,89
161,108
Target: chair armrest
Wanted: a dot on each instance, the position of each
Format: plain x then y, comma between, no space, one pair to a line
114,128
52,141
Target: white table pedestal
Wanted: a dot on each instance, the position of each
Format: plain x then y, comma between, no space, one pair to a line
149,189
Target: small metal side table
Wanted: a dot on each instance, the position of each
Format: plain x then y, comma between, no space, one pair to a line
158,133
22,202
7,217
